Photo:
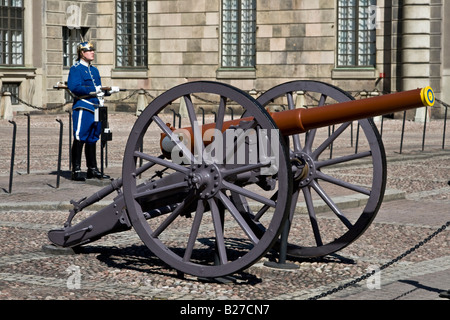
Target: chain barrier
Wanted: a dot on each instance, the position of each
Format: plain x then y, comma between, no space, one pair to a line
355,94
36,107
60,106
442,103
386,265
128,97
131,95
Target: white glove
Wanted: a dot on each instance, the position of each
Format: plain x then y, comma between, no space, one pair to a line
114,90
99,92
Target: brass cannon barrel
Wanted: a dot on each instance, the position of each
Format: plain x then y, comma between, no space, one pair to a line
302,120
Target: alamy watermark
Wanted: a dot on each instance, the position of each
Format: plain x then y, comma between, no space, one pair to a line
74,280
374,281
73,17
374,17
233,146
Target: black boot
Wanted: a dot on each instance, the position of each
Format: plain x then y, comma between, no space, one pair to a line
445,294
91,161
77,150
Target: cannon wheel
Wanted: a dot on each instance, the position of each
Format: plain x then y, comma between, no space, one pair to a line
202,233
319,156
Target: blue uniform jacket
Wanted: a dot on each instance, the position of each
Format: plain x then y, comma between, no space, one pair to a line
83,79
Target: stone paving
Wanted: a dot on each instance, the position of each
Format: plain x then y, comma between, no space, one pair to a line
120,267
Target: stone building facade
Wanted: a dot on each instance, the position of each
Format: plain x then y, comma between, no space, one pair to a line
358,45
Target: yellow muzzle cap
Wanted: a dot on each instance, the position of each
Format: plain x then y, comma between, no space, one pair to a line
428,98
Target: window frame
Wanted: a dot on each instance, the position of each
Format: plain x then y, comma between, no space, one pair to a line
8,47
70,43
14,89
143,39
239,63
365,50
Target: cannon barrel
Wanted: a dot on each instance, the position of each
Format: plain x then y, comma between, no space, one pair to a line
302,120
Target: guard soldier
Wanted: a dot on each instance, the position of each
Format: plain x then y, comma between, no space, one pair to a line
85,84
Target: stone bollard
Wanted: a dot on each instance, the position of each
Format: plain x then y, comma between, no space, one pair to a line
422,115
141,103
376,94
2,108
300,100
6,112
182,111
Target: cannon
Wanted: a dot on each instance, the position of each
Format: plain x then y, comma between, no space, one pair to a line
211,200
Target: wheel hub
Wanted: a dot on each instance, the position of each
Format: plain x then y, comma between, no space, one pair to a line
205,179
303,169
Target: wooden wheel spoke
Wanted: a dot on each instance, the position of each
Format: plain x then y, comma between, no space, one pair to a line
218,228
331,204
238,217
344,159
173,137
312,216
194,230
178,211
147,193
249,194
330,140
266,207
245,168
162,162
342,183
198,138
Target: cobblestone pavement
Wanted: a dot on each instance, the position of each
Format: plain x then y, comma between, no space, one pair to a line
120,267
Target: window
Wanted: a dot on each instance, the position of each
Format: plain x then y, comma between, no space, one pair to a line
11,32
356,33
71,39
13,88
238,33
131,30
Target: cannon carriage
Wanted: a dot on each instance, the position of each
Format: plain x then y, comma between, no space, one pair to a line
211,200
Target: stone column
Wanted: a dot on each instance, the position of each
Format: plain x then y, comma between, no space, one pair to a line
445,84
141,103
416,41
7,111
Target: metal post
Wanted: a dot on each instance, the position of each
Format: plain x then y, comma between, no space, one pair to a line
104,138
331,145
28,142
232,113
357,138
284,243
13,153
70,139
424,129
203,115
445,127
351,135
174,117
102,154
403,132
58,172
282,264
